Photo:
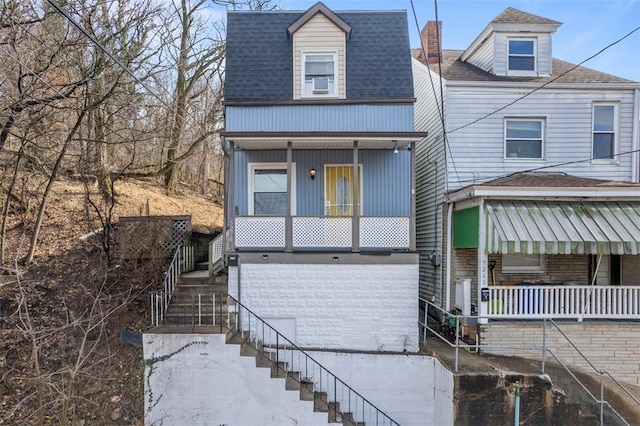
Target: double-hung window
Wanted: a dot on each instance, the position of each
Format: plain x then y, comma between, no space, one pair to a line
524,139
604,131
522,55
268,189
319,71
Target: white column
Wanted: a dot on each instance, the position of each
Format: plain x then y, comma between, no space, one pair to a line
483,285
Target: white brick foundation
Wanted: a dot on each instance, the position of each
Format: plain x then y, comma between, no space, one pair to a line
344,306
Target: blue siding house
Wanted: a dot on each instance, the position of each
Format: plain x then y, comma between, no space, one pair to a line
319,201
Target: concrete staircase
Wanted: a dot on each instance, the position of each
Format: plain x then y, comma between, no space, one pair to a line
293,379
197,291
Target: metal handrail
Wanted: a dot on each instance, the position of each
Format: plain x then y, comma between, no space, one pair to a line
183,261
423,322
289,360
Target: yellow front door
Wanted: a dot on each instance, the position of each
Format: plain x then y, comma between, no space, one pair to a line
339,190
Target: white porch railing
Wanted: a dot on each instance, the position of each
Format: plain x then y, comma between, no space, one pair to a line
382,232
558,301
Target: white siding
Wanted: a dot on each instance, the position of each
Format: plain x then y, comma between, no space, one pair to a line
430,178
477,151
543,52
483,58
319,34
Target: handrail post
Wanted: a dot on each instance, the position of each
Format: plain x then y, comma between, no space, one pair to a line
601,399
544,342
457,341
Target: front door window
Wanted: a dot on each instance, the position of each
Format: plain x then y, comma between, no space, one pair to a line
339,190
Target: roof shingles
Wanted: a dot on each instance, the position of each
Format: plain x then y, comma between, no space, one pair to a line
259,64
456,70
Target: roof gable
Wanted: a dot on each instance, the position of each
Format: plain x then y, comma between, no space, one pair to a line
514,16
313,10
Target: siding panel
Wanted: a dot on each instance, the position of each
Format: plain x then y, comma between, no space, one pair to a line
430,180
319,34
477,150
292,118
386,179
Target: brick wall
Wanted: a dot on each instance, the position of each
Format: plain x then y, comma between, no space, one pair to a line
359,307
559,269
609,346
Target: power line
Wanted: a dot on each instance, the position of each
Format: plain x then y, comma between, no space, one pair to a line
433,89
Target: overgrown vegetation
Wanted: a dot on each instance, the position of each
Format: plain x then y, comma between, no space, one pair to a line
96,91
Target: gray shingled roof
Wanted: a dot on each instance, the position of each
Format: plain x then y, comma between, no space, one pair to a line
259,64
554,180
456,70
515,16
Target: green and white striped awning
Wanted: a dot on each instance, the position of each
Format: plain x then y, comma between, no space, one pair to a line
534,227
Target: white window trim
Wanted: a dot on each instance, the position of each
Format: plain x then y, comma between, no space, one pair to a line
525,269
360,188
252,167
303,55
616,133
533,72
543,131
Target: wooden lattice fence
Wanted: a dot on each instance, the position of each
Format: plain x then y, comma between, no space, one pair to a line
153,236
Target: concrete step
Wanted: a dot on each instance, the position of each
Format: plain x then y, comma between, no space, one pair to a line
293,379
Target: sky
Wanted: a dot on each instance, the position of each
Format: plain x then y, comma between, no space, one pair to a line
588,25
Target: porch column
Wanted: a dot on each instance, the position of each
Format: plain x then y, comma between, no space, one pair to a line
483,286
288,227
355,231
229,194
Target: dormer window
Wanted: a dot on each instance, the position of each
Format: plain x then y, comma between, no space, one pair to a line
522,56
319,69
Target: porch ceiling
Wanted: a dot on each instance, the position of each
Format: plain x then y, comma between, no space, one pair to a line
323,140
538,227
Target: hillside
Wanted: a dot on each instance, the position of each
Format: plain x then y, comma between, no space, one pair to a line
61,359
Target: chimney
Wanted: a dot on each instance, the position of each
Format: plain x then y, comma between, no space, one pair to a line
430,37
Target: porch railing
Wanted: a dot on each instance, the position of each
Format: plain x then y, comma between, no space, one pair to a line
564,301
344,404
317,232
433,320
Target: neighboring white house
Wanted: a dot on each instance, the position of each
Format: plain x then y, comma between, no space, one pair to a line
532,194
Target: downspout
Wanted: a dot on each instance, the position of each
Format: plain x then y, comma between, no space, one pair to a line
635,137
449,255
483,286
288,227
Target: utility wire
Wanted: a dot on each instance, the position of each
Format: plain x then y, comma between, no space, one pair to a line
106,51
433,89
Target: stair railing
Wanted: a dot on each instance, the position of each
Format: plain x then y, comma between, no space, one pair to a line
601,373
343,403
427,326
183,260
